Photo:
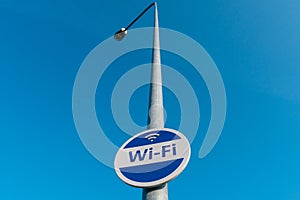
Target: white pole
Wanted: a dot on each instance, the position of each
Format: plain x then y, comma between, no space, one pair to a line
156,110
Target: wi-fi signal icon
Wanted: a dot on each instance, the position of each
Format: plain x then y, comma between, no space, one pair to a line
152,136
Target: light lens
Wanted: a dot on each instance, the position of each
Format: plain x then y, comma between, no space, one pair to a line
119,35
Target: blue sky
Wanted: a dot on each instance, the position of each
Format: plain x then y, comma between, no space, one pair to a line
255,45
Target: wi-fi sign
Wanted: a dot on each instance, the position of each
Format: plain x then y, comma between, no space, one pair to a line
152,136
152,157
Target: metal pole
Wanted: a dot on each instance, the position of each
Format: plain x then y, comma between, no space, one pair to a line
156,110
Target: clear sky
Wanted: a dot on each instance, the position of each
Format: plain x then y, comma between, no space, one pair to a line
255,44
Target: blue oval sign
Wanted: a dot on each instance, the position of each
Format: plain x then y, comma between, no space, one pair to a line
152,157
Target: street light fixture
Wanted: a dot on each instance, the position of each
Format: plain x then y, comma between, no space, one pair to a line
156,111
119,35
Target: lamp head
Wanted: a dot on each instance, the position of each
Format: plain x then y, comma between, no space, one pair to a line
120,34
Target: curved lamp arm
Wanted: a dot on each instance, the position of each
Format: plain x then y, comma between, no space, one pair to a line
120,34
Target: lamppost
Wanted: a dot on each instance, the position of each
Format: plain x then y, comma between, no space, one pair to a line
156,111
